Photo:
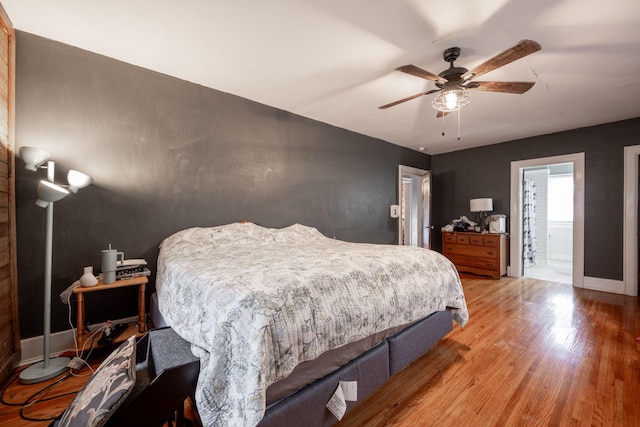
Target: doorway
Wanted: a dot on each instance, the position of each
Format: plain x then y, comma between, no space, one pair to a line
517,219
547,227
414,199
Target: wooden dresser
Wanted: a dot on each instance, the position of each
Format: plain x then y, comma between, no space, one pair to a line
484,254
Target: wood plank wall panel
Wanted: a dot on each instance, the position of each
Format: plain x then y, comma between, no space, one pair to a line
9,328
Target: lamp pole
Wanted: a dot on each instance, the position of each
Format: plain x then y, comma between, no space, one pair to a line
49,367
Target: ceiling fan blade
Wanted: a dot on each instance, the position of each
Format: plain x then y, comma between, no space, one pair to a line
505,87
419,72
400,101
520,50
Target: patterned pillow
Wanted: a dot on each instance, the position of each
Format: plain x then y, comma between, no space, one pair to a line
107,388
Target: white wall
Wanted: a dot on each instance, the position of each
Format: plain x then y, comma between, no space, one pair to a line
560,241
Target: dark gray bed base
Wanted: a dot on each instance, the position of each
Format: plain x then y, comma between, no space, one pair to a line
371,370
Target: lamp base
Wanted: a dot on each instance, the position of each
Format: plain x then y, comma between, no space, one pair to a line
37,373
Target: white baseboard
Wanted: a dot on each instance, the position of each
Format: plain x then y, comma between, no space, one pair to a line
59,342
604,285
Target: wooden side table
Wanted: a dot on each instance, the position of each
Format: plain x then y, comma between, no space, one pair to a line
79,291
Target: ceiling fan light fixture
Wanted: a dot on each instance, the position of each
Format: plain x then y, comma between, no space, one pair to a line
451,100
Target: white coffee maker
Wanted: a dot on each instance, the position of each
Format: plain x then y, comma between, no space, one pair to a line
497,223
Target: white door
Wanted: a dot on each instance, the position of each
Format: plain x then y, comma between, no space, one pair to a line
414,199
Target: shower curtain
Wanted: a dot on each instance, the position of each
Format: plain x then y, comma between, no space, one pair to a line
529,251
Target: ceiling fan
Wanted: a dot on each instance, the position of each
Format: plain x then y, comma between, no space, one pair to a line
454,82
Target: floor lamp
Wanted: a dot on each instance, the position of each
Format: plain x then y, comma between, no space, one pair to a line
48,193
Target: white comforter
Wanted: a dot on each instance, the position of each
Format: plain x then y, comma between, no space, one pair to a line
255,302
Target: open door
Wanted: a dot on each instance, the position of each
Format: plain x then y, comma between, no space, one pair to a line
414,199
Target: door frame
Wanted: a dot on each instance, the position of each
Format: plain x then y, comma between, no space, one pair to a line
424,215
515,223
630,225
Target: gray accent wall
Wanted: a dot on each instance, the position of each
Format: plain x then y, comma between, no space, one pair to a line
485,172
167,155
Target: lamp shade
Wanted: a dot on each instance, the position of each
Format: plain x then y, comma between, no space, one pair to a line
77,180
481,205
451,100
49,192
33,157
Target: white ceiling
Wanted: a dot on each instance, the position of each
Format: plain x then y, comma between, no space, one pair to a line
334,60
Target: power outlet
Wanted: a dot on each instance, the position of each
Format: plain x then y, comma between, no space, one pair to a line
111,334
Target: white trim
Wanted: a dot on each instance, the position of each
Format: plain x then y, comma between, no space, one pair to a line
421,173
630,226
578,212
605,285
31,348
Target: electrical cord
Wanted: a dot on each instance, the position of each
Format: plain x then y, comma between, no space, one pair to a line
32,400
27,403
79,352
39,395
4,389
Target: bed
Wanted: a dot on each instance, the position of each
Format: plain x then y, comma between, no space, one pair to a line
278,316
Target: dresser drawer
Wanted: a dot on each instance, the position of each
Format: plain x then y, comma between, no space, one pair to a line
469,250
462,239
492,241
477,240
449,238
483,263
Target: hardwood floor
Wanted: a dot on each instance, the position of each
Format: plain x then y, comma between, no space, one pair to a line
534,353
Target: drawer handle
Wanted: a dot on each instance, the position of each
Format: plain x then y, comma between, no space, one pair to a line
490,265
490,253
490,242
476,241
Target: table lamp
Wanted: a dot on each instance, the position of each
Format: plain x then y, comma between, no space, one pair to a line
481,207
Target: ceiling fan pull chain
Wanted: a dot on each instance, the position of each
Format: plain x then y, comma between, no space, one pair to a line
443,125
459,125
